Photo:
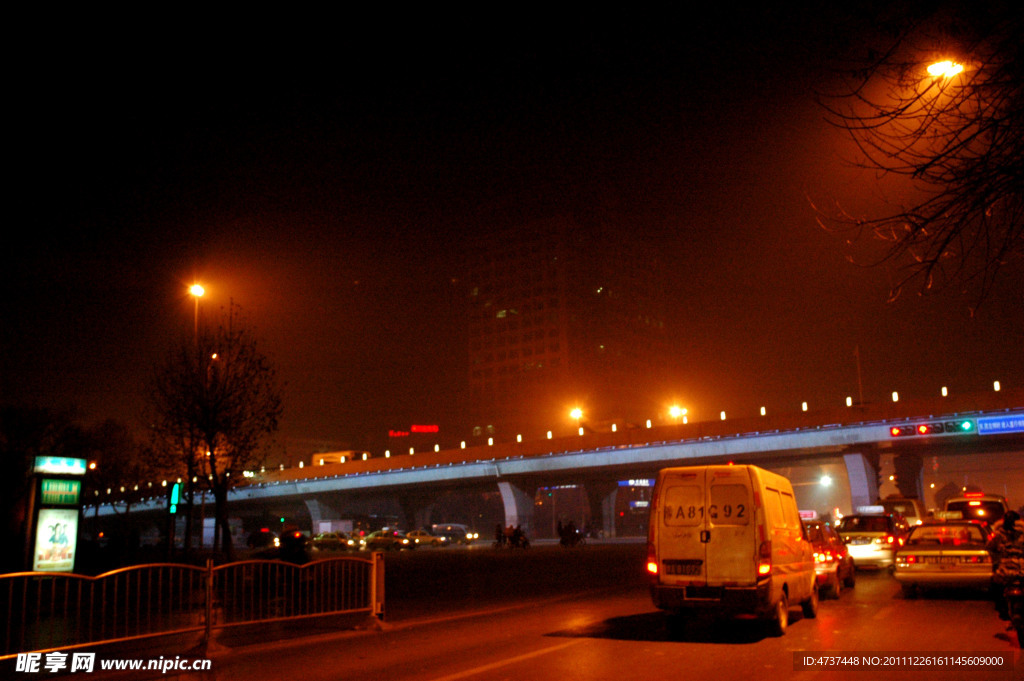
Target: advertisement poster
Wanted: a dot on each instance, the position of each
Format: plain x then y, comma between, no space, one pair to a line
56,539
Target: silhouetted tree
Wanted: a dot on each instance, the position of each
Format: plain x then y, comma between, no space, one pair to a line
957,140
118,463
216,398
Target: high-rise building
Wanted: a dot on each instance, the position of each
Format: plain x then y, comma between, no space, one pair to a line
562,317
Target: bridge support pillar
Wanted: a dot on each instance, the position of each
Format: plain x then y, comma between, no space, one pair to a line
319,511
518,505
862,470
601,496
416,510
909,475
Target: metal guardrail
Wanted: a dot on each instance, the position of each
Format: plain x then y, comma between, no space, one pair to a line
48,611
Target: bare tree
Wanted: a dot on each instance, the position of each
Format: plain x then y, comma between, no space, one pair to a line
954,136
120,467
216,398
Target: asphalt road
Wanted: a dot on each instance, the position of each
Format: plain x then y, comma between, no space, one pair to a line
552,614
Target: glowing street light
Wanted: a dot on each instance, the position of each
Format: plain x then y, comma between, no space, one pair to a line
945,69
577,414
197,292
675,411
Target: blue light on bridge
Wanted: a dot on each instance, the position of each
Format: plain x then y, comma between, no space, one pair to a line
996,425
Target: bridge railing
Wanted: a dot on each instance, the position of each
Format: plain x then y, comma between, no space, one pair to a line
47,611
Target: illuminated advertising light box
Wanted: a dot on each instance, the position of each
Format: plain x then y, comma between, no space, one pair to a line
59,465
56,540
59,492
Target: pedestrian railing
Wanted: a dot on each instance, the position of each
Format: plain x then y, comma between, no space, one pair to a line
48,611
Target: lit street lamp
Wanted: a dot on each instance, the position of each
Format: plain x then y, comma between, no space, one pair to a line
945,69
197,292
577,414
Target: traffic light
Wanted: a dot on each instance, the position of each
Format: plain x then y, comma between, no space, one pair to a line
172,507
961,427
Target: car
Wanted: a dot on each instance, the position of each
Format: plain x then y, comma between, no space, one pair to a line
424,538
263,538
945,553
388,540
833,563
455,533
978,506
333,541
872,538
911,509
294,547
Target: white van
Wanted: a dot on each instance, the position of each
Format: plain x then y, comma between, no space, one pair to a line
728,539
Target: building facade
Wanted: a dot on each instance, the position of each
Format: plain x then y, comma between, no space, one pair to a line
562,316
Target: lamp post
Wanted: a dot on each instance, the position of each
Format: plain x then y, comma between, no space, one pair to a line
197,292
577,414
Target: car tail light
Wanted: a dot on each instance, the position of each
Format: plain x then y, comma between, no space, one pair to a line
909,559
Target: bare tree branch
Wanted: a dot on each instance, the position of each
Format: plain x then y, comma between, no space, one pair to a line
952,145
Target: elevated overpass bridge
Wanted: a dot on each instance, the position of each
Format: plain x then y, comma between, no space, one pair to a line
926,446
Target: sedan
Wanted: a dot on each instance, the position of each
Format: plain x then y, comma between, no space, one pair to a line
833,563
424,538
388,540
947,553
872,538
333,541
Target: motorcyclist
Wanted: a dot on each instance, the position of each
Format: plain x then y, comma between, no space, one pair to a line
1007,549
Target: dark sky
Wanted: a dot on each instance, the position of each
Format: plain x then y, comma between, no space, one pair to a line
325,176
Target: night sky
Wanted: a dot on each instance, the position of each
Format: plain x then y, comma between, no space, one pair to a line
325,177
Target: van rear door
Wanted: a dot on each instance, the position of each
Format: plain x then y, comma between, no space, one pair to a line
706,526
731,544
681,526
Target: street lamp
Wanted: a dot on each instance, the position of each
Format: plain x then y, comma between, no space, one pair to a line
577,414
197,292
944,69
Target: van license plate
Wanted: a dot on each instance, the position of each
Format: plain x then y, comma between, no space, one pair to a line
682,567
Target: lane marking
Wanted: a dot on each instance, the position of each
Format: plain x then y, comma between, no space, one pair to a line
511,660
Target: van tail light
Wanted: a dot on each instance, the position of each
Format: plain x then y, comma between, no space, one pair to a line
652,561
764,559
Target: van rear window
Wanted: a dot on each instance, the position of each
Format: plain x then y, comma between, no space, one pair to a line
729,505
683,506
